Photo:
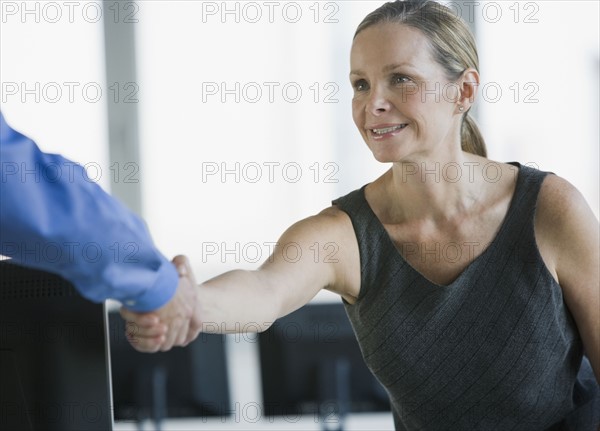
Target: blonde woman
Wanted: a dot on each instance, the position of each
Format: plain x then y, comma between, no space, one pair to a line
473,295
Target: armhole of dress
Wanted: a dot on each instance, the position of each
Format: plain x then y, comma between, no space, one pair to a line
361,290
533,233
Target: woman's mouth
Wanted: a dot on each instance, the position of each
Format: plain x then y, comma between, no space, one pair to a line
386,132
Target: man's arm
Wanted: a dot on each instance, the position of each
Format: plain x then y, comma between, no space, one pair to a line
53,217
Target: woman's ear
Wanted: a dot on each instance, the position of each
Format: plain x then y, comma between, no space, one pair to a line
468,88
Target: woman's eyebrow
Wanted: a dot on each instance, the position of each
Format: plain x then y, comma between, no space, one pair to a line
393,66
386,68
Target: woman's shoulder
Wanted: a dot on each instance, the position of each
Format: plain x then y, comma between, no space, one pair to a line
564,223
559,202
334,220
329,228
559,205
328,239
568,237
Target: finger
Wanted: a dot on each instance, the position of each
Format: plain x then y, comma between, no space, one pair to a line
147,345
182,263
140,319
172,334
152,331
181,267
144,340
192,335
132,329
134,332
183,335
167,343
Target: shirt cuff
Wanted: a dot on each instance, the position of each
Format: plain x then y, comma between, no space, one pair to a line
158,295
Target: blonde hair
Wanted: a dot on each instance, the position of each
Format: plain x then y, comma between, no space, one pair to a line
452,45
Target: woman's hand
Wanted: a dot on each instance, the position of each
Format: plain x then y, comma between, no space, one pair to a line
177,323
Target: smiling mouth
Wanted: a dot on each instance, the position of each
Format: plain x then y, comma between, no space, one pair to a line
386,130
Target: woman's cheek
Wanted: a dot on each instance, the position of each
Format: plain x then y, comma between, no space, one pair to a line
357,111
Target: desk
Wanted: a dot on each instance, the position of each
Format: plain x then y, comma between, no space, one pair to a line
354,422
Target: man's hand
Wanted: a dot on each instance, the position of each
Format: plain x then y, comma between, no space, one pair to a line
177,323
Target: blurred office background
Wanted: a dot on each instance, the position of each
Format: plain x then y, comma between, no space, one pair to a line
222,123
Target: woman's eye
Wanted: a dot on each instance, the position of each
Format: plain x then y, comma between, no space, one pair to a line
360,85
400,79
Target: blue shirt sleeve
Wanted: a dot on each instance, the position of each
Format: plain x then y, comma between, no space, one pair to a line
53,217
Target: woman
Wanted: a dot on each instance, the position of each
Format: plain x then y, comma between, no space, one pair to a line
452,268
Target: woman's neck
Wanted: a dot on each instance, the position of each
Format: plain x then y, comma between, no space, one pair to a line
438,190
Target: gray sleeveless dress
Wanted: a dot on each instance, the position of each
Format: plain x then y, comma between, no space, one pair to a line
496,349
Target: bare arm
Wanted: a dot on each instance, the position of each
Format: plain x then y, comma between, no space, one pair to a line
319,252
308,257
569,232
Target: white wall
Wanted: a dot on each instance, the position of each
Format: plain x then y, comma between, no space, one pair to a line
543,56
53,80
187,52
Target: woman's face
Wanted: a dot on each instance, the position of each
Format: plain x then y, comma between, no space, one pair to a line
403,105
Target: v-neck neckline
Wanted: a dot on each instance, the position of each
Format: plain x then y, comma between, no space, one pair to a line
475,262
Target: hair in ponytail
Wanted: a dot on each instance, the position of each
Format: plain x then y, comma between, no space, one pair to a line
452,45
471,139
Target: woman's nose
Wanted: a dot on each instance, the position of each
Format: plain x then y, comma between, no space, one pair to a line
378,102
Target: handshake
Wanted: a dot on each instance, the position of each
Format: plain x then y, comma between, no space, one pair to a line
177,323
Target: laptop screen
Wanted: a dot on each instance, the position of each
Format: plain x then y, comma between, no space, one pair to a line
54,357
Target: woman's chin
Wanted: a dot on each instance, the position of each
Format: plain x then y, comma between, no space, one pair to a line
385,159
388,157
390,152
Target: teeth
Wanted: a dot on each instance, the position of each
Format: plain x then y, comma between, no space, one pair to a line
388,129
